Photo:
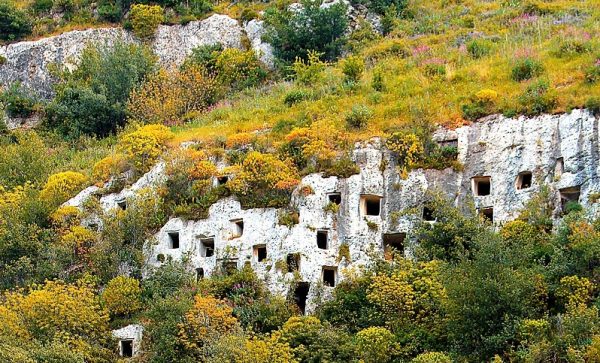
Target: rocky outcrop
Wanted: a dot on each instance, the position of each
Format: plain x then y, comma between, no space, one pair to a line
28,62
505,162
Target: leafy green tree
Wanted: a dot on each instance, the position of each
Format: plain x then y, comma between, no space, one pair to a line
14,24
293,33
91,100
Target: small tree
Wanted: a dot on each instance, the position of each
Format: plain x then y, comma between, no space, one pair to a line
14,24
293,33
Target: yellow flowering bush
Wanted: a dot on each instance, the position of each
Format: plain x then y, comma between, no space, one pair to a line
408,149
79,239
239,139
122,296
486,95
204,169
239,68
171,97
433,357
575,291
66,216
62,186
207,320
109,167
70,313
145,19
270,349
263,172
10,198
412,294
375,344
144,146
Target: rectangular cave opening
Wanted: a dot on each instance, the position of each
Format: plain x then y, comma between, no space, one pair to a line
126,346
222,180
301,295
569,196
322,240
293,262
428,215
199,273
207,247
370,205
482,186
260,252
329,276
238,227
393,243
122,204
487,214
173,239
335,198
559,167
524,180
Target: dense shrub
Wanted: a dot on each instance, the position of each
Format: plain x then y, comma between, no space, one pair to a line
171,97
91,100
526,68
593,104
14,24
145,19
309,71
295,32
18,102
122,296
376,345
538,98
381,6
481,104
295,96
21,160
62,186
479,48
353,68
432,357
358,117
239,69
264,180
592,74
145,145
407,148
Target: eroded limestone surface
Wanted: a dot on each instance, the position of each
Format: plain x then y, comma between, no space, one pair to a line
559,151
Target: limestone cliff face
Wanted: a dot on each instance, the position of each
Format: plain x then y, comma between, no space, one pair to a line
558,151
28,62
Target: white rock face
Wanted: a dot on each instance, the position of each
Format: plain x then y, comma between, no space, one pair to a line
498,148
255,30
28,62
129,336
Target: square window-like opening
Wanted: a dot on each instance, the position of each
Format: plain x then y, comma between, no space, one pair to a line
487,214
238,227
222,180
126,348
428,215
335,198
199,273
207,247
329,276
293,262
482,186
569,196
524,180
260,252
370,205
122,204
173,240
393,243
322,240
